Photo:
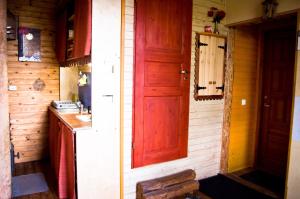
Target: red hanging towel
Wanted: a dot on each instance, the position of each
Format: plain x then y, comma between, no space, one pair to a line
66,180
82,28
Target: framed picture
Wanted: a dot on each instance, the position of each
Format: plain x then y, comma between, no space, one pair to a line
29,44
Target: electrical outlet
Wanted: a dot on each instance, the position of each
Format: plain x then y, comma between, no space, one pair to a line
12,88
244,102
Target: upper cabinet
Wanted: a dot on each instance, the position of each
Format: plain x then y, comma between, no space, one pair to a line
74,32
82,28
209,66
61,36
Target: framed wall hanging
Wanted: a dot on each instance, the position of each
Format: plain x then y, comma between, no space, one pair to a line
29,44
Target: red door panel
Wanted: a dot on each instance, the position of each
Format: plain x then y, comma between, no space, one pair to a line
161,91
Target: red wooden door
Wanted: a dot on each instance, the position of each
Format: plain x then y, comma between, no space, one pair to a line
161,80
278,76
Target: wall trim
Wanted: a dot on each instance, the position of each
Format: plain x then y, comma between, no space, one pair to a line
122,54
5,167
227,101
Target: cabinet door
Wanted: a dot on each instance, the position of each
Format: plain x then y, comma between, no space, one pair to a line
218,76
54,142
61,37
82,28
67,164
204,65
210,63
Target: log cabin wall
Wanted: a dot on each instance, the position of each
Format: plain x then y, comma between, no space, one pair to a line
243,124
205,118
28,107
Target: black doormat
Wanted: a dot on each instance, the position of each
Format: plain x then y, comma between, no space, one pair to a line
221,187
268,181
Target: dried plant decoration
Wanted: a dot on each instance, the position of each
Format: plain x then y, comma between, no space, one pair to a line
39,85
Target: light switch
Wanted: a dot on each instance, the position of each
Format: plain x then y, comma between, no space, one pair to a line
12,88
244,102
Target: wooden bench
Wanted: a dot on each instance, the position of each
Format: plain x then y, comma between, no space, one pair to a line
177,185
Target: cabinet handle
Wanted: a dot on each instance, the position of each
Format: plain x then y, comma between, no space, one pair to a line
220,88
201,87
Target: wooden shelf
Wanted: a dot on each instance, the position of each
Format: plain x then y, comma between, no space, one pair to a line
212,34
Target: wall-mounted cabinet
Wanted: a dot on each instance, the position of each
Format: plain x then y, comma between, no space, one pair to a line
74,33
209,66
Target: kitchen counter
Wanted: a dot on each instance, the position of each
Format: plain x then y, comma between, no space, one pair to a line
70,120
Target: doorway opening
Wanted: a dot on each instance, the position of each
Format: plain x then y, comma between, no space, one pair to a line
263,83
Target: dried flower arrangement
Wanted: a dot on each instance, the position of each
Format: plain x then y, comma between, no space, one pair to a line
217,16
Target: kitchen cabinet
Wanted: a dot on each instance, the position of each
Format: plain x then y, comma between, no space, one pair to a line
209,66
62,156
61,36
74,32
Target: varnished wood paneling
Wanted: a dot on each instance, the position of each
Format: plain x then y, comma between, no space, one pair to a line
5,172
28,107
243,120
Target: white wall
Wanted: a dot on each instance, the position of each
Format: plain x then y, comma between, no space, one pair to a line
206,117
293,177
238,11
104,173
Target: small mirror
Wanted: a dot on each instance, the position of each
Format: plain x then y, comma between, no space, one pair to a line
209,66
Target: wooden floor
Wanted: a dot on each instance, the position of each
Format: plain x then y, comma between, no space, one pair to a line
34,167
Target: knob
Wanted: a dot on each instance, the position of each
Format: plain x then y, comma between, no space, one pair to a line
184,72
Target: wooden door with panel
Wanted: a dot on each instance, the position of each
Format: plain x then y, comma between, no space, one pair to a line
161,80
279,57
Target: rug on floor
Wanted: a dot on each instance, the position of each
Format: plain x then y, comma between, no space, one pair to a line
273,183
28,184
221,187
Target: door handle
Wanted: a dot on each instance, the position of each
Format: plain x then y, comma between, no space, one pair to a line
267,105
184,72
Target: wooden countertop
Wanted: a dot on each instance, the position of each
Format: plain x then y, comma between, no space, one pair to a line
71,120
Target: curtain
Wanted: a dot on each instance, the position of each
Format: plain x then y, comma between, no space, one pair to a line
82,28
66,179
61,37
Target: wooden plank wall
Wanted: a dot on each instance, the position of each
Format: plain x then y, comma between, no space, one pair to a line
243,118
27,107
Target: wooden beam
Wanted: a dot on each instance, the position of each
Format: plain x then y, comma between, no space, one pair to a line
122,57
5,170
228,102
